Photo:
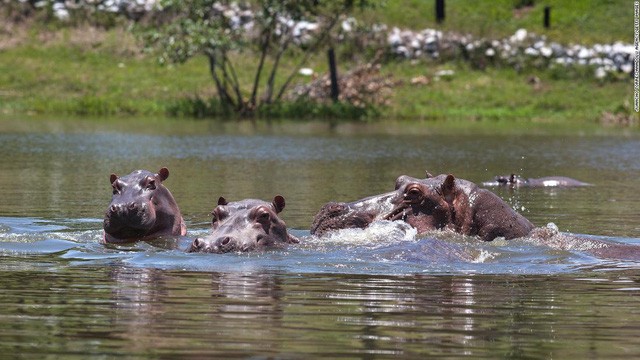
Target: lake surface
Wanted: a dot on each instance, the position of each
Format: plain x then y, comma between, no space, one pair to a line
381,292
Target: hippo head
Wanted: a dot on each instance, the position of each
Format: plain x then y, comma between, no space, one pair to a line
511,180
421,202
359,214
137,202
245,225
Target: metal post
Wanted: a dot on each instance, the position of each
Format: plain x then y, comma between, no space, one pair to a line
439,11
333,73
547,17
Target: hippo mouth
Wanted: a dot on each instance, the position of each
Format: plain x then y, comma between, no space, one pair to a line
349,219
423,214
128,225
227,245
397,213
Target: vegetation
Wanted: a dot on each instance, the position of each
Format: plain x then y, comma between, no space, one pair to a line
80,70
194,28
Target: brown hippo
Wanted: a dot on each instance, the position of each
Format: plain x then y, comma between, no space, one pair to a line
514,180
245,225
141,208
440,202
444,202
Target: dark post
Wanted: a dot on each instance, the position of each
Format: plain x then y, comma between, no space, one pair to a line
547,16
439,11
333,72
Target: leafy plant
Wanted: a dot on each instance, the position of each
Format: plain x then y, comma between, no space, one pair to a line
205,27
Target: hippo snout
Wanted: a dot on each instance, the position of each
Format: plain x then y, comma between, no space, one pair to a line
127,208
219,245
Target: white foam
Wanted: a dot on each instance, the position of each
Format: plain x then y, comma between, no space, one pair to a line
378,233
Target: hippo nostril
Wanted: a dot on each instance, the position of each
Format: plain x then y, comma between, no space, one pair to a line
113,208
132,206
226,240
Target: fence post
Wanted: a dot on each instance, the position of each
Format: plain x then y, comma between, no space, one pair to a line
547,17
333,73
439,11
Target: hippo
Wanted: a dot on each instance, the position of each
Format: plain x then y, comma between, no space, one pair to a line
245,225
358,214
141,208
514,180
444,202
434,203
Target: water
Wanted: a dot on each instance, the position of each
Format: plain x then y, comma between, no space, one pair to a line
381,292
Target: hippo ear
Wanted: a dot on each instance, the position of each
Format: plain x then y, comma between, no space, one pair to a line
163,174
222,201
278,203
113,178
448,187
428,174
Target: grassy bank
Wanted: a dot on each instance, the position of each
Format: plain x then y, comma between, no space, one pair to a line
83,72
70,80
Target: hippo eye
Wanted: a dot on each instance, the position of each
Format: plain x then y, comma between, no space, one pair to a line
264,217
116,188
151,185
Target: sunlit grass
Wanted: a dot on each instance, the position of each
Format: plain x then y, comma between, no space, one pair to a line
108,76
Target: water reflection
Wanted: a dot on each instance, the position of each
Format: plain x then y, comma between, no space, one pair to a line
64,294
146,312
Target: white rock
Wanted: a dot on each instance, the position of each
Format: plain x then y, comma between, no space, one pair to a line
445,73
546,51
519,36
306,72
596,61
584,53
531,52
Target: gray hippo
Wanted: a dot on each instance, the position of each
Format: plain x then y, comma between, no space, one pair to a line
358,214
141,208
437,202
245,225
514,180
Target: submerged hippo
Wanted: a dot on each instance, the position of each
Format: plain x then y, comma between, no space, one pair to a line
437,202
245,225
141,208
514,180
358,214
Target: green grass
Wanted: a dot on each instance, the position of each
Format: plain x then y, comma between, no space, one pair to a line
68,78
63,80
582,21
503,93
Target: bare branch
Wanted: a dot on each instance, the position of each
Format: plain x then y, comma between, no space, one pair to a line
225,99
263,54
233,79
